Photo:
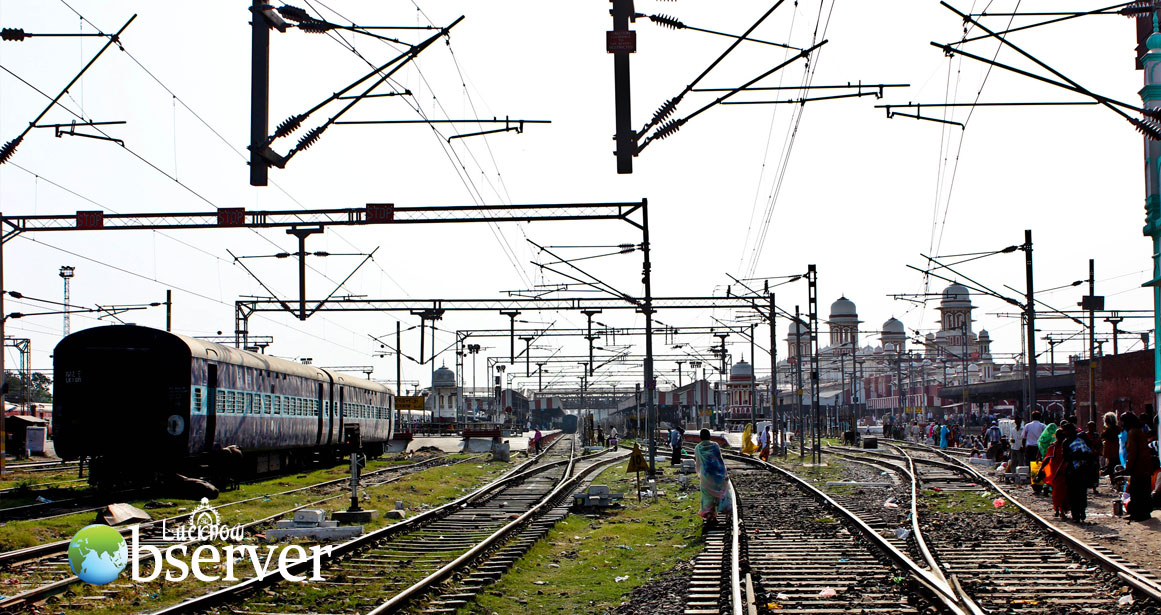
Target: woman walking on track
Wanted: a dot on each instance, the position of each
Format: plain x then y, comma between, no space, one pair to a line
1055,470
711,468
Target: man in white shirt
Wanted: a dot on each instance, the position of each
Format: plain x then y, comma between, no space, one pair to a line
1030,438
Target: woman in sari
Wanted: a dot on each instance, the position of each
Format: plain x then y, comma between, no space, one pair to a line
711,469
748,447
1055,471
1047,438
944,434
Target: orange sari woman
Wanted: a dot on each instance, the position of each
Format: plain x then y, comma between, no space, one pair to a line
1054,471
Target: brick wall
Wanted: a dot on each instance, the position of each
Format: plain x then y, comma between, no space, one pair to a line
1123,382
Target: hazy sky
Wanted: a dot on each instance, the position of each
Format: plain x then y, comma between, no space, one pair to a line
844,187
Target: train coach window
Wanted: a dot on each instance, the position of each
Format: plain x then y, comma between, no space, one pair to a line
197,400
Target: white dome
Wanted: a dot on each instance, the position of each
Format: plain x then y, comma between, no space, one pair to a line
444,377
843,307
894,326
956,296
797,327
741,368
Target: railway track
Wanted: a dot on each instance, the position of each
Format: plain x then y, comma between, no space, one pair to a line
804,552
435,562
1015,563
41,571
38,466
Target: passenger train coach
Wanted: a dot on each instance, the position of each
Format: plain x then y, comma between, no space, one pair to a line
140,403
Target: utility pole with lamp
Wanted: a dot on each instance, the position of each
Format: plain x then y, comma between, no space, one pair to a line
1151,99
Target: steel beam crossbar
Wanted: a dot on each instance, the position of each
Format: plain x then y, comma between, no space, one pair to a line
222,218
356,304
373,213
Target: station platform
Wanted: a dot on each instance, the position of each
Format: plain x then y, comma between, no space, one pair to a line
453,444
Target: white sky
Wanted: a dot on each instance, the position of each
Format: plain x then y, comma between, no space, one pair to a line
861,195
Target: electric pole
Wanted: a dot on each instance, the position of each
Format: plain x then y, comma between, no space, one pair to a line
620,42
259,92
1151,99
66,273
1030,309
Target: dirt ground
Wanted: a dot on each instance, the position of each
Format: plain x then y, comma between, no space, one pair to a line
1138,543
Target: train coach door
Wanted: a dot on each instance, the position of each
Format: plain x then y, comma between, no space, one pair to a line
211,405
339,411
321,411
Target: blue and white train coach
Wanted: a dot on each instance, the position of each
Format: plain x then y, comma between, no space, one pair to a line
141,403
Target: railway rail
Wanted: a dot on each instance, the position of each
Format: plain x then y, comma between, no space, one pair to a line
434,562
41,571
1006,563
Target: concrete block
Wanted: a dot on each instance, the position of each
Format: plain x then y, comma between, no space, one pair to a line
320,534
310,515
395,514
355,516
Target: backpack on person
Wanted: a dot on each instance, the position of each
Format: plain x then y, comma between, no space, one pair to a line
1083,460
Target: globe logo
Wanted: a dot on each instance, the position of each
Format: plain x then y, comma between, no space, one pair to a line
98,554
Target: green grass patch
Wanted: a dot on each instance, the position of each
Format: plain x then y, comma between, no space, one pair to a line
576,567
420,491
18,478
21,534
963,502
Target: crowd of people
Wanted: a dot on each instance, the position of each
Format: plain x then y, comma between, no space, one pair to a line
1066,460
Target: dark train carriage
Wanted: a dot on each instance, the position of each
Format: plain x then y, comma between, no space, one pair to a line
138,401
122,392
568,423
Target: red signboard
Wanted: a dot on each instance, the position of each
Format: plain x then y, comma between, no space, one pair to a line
87,220
231,216
380,212
621,41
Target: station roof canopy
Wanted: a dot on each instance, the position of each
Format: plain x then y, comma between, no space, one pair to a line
998,390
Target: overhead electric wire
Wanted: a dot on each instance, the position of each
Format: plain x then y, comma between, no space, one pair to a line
453,157
185,290
776,189
241,155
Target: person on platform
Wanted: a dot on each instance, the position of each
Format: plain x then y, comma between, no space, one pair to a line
711,469
1110,446
613,436
1140,464
1030,436
675,437
944,436
600,436
536,437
